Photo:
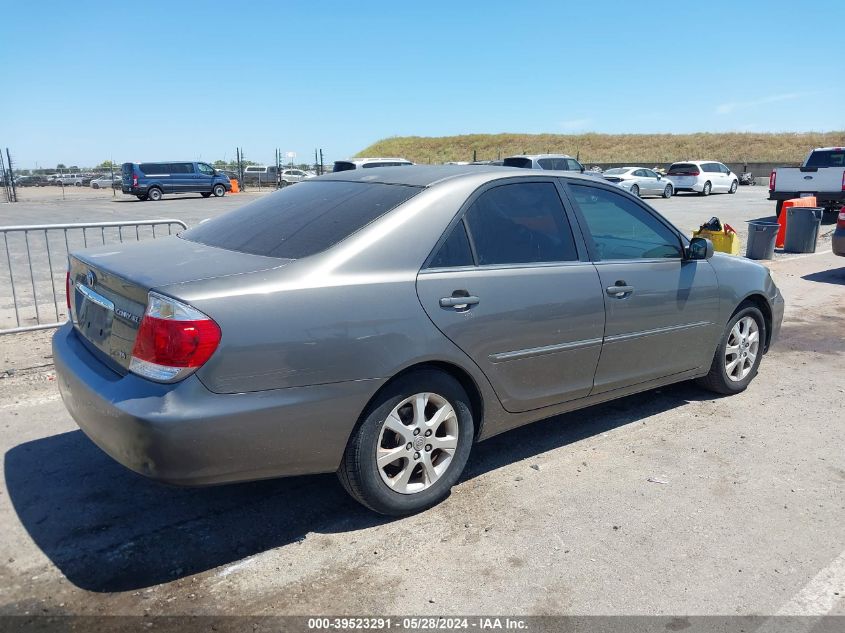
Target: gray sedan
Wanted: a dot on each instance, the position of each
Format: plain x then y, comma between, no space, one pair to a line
377,323
640,181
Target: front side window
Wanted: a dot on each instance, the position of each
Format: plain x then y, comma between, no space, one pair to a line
622,229
208,170
520,223
572,165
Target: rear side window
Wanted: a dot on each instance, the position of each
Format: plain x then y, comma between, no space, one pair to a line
524,163
622,229
519,224
300,221
682,169
343,165
455,251
827,158
711,167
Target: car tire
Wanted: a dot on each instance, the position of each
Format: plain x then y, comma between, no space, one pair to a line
95,186
635,191
219,191
154,194
206,194
734,186
667,191
705,191
142,198
730,372
396,407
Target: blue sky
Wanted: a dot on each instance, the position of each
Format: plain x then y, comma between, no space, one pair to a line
85,82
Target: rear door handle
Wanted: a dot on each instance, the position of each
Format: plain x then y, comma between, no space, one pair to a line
458,302
620,292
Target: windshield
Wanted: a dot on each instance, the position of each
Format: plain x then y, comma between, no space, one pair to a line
302,220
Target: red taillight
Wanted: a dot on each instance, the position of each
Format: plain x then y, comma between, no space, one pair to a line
67,291
134,181
772,179
173,341
843,181
840,220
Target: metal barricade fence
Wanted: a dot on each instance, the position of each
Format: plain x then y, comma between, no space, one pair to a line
36,263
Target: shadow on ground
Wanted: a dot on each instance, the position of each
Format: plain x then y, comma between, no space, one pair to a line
108,529
834,276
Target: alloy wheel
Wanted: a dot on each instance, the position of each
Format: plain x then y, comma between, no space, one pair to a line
417,443
742,348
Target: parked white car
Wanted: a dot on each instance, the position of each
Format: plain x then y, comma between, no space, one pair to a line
104,182
640,181
365,163
702,176
70,179
290,176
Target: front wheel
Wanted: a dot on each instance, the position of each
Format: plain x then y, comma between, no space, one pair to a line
95,186
410,446
734,185
219,191
706,189
667,191
740,351
635,190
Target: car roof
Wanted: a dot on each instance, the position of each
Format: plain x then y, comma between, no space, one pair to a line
696,162
428,175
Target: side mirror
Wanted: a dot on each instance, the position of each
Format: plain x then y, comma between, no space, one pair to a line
700,248
659,177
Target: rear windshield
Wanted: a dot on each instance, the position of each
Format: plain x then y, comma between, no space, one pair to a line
682,168
300,221
827,158
525,163
617,170
126,168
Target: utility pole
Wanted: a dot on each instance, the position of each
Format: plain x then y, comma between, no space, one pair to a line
322,169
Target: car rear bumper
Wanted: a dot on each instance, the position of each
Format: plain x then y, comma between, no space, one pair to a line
184,434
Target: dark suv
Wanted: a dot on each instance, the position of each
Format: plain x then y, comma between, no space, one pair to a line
150,181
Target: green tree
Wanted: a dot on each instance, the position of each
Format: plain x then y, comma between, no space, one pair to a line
60,166
106,165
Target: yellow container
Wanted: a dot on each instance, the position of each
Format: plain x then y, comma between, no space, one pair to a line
722,242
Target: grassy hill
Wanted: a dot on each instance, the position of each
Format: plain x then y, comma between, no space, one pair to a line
610,148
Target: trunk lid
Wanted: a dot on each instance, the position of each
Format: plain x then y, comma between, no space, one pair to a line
109,286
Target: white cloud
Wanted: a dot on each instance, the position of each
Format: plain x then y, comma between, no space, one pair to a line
727,108
575,124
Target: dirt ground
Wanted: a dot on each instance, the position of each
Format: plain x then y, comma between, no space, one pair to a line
668,502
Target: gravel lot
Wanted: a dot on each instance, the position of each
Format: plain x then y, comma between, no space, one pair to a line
669,502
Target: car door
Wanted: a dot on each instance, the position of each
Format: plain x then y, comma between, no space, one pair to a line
653,184
204,178
511,285
661,308
715,176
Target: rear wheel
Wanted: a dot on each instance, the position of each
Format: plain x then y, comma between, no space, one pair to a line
734,186
635,190
740,351
206,194
142,198
219,191
667,191
706,189
410,446
95,186
154,194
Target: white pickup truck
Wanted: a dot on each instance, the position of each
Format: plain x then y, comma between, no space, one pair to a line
822,175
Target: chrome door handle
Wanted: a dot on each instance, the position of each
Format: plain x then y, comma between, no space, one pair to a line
620,292
458,302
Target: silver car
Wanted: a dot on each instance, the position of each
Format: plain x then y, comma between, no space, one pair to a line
378,322
640,181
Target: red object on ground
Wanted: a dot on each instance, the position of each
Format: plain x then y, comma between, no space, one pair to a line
794,202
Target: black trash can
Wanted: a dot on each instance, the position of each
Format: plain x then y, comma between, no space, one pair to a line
762,234
802,229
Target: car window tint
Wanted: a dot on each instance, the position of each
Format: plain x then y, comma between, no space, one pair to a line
572,165
622,229
682,169
517,161
455,251
300,221
520,223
